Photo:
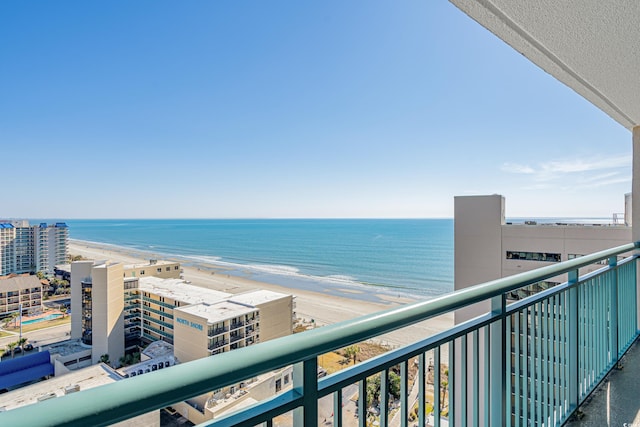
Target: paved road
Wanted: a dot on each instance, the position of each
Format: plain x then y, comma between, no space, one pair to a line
41,336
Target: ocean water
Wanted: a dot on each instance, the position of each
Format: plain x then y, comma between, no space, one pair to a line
398,256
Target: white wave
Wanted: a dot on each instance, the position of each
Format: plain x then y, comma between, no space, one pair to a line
341,278
285,270
202,258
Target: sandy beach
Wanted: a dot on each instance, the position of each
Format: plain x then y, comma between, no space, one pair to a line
322,308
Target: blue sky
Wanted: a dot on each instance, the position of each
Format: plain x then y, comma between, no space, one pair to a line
287,109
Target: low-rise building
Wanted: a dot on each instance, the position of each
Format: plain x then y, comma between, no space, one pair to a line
20,291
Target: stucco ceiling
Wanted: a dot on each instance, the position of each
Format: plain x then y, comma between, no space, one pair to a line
593,46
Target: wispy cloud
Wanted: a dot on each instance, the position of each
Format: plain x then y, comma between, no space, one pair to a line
576,173
517,168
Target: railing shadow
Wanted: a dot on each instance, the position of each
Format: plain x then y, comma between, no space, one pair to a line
616,401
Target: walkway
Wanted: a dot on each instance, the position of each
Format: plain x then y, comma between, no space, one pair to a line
616,402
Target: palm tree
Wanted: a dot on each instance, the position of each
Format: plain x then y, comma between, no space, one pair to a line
351,352
21,341
11,346
11,318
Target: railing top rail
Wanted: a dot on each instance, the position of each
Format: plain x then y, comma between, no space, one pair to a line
135,396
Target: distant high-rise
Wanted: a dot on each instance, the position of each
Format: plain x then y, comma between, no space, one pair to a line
28,248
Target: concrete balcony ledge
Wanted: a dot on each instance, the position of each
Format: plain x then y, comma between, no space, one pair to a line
616,401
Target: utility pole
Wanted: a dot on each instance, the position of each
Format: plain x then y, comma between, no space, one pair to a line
20,314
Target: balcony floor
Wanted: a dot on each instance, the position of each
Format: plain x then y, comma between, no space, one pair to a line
616,401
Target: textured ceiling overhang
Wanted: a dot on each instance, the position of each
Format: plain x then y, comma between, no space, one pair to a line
592,46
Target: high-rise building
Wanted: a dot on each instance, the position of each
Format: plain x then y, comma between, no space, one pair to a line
28,248
7,249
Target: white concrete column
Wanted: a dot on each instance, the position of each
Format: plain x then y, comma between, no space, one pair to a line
635,186
635,204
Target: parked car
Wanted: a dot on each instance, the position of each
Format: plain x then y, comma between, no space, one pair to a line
28,347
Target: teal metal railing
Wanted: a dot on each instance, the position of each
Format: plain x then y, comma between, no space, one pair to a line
528,362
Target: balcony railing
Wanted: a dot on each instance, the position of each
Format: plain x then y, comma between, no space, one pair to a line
529,362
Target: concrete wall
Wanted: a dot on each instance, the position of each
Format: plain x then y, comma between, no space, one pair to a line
108,312
482,240
565,240
190,343
478,245
168,270
276,318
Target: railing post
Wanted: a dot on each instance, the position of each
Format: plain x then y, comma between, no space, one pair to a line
421,390
498,355
337,408
613,309
305,382
384,398
573,341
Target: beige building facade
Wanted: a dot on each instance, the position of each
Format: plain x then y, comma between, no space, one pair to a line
487,247
97,304
118,309
16,291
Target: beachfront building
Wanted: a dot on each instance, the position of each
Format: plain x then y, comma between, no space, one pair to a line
7,249
97,304
20,291
487,247
118,310
154,268
28,248
121,307
202,322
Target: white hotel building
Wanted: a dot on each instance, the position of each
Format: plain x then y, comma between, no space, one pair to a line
28,248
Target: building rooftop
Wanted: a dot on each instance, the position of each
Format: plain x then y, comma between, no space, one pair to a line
22,281
65,348
147,366
219,311
158,349
255,298
177,289
82,379
151,263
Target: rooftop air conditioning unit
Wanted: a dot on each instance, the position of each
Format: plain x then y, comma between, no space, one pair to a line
71,389
46,397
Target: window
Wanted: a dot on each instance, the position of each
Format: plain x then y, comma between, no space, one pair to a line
141,272
168,269
176,267
534,256
159,270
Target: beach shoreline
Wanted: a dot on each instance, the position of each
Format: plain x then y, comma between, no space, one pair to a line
312,306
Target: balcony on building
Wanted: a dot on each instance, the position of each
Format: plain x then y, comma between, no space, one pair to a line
528,358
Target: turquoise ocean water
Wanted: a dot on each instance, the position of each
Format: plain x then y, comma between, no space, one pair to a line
403,257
